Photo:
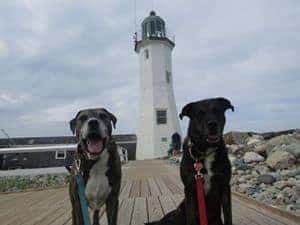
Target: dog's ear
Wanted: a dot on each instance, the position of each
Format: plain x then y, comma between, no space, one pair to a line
112,118
188,110
73,125
225,104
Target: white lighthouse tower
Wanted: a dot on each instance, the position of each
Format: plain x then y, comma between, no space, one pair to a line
158,118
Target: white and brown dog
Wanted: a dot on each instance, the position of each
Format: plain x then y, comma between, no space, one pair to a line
99,162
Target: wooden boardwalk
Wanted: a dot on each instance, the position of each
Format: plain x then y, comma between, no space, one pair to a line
150,189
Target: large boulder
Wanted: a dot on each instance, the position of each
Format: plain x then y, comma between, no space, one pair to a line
250,157
280,160
282,141
239,138
254,139
266,179
294,149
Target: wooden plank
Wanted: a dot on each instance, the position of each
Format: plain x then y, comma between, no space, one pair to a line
135,189
154,190
26,212
63,218
177,199
139,215
126,190
47,213
123,183
172,185
145,190
125,211
167,203
6,209
163,187
177,181
155,211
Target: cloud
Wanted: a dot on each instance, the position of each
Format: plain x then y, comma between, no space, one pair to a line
58,57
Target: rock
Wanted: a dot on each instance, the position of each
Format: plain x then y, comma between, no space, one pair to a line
266,179
240,165
246,188
242,180
290,208
232,158
252,157
280,160
294,149
252,141
235,148
262,169
290,173
278,142
236,138
283,184
261,149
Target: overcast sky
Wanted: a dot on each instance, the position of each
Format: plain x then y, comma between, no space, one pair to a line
57,57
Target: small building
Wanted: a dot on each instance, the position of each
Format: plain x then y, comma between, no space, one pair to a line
41,152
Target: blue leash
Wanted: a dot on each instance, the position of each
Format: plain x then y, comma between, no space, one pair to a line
83,201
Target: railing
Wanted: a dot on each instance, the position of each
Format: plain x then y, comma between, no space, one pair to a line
138,35
38,149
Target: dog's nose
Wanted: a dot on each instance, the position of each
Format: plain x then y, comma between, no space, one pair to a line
213,126
93,124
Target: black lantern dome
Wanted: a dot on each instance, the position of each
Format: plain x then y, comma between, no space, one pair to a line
153,26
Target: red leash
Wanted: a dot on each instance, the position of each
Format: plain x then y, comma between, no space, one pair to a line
200,193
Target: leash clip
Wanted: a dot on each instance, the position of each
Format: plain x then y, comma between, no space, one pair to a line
77,165
198,166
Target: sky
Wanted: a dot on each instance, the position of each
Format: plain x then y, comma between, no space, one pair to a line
59,56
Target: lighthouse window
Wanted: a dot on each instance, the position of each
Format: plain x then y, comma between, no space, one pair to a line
161,117
168,76
164,139
146,51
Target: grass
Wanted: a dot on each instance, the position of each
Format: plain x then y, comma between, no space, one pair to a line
21,183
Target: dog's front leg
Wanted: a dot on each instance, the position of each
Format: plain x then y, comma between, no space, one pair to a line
112,206
226,205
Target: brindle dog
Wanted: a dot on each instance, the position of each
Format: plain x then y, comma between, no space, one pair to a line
99,162
204,143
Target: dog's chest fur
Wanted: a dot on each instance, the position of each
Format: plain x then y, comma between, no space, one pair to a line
209,160
97,187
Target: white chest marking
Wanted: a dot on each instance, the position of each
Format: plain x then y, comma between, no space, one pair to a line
97,187
207,177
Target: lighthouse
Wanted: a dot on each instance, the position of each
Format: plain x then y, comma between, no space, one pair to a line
158,117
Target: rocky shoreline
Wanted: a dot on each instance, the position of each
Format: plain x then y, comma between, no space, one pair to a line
265,167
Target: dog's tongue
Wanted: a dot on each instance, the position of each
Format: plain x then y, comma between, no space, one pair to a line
95,146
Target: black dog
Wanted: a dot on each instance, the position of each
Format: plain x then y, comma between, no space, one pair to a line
204,143
98,160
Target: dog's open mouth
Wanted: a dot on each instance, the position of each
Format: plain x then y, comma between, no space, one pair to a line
95,145
213,138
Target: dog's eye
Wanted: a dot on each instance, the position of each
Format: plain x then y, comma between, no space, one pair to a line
83,118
